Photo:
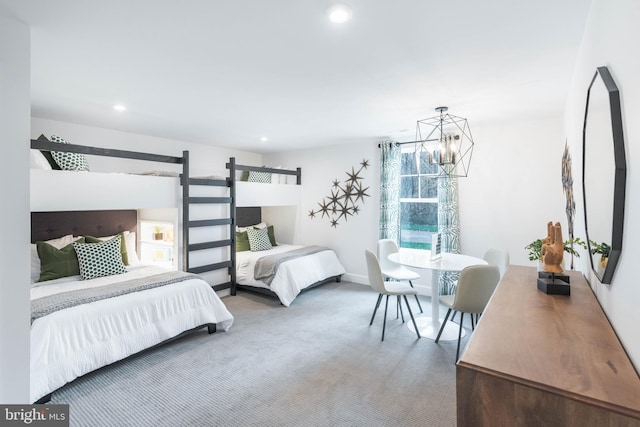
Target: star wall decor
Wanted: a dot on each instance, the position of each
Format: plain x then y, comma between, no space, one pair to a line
342,202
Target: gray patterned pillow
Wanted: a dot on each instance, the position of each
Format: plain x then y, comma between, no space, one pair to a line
264,177
259,239
100,259
69,161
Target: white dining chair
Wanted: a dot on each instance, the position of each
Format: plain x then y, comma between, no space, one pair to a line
475,287
385,287
499,258
392,270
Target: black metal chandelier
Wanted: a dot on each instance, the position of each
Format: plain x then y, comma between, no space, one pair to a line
445,140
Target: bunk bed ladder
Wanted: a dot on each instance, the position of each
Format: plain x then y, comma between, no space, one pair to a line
188,225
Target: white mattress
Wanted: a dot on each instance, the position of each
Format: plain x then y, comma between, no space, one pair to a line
72,342
293,275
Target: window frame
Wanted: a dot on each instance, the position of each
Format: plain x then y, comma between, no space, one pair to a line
415,149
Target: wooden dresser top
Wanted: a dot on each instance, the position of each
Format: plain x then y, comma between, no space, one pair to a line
561,344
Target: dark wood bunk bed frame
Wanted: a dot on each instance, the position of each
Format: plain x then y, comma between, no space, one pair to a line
186,182
247,216
47,225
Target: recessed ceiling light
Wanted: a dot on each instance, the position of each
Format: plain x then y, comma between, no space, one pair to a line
339,13
264,139
119,107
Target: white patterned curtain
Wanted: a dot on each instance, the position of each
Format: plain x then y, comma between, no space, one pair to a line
448,227
390,191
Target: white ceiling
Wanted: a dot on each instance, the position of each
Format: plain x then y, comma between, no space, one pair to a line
226,73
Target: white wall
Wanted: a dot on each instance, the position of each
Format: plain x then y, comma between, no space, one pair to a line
514,186
610,39
320,166
14,192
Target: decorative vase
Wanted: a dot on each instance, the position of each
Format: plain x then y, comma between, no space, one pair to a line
602,264
157,236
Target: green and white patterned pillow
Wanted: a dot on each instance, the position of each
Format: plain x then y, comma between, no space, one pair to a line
100,259
264,177
69,161
259,239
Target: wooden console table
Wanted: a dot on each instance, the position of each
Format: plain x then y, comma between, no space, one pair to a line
545,360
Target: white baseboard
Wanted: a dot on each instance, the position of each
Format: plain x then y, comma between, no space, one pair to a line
356,278
224,293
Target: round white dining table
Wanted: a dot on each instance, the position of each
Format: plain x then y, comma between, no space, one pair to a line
429,326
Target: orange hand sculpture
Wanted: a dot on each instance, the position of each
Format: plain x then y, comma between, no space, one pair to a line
553,251
550,234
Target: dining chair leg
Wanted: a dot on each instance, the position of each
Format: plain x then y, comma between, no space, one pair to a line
384,322
459,335
412,318
400,306
454,315
473,326
375,309
417,300
443,323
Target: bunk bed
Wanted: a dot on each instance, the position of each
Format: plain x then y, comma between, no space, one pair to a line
280,270
80,322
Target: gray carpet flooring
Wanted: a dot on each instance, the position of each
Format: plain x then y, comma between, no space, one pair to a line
315,363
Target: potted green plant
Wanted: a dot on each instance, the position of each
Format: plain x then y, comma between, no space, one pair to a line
157,233
535,248
603,249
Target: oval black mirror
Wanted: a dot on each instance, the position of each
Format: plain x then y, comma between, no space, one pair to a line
603,174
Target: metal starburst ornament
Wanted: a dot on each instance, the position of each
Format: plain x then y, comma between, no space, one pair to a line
344,197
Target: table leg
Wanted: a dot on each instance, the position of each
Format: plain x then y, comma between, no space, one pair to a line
429,326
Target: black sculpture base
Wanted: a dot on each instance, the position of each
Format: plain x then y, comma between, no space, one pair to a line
554,284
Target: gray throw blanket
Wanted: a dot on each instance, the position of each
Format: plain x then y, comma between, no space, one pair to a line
46,305
267,266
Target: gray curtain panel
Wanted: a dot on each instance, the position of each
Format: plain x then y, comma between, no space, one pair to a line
390,191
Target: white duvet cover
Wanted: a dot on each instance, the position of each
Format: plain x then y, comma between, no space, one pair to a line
292,276
72,342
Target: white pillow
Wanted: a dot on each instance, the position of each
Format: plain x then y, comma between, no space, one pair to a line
290,179
38,160
276,177
130,243
243,229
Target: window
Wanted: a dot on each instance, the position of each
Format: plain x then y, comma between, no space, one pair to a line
418,198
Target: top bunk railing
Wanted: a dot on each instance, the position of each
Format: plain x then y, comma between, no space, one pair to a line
105,152
233,167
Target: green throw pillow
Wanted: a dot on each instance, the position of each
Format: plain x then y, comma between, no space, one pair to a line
68,161
57,263
123,246
99,259
272,236
258,239
242,242
263,177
